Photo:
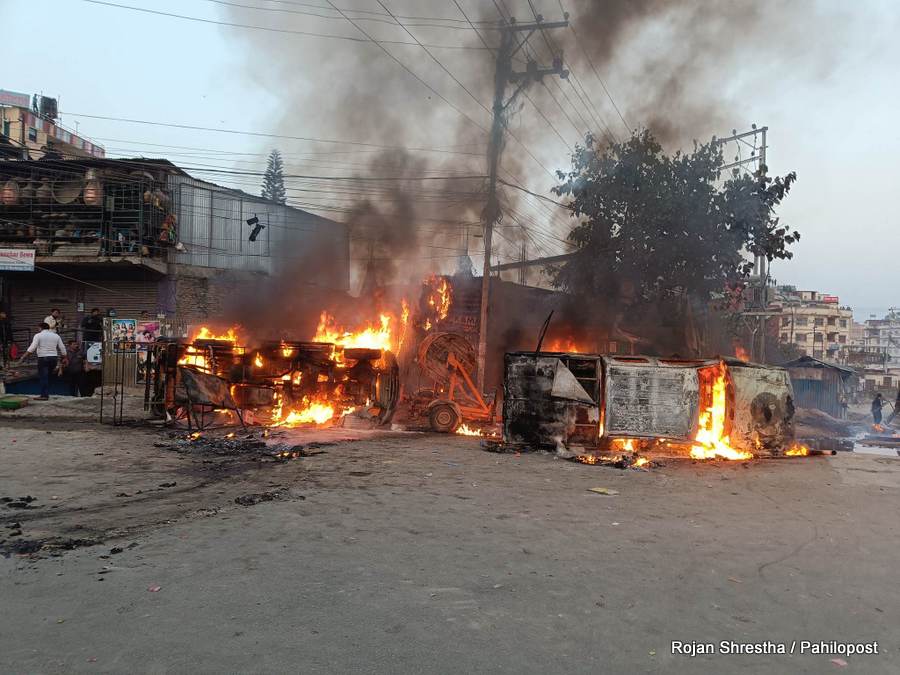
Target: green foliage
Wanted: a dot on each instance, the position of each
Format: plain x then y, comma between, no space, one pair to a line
653,225
273,180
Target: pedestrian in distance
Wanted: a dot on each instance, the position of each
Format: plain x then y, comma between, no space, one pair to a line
877,404
92,327
48,346
73,370
53,320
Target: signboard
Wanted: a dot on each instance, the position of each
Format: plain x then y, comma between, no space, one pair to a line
17,259
16,98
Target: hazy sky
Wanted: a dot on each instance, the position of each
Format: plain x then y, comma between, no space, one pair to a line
830,98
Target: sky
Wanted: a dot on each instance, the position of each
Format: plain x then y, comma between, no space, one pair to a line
829,97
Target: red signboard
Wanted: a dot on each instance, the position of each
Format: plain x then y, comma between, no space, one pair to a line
14,98
831,299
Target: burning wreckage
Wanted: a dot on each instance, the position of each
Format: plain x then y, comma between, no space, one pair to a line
619,409
589,407
337,377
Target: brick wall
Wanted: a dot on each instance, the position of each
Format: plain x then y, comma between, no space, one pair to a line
201,296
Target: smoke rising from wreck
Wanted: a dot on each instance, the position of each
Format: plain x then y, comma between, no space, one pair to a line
686,70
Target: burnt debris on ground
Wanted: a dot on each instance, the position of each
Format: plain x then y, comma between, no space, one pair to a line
249,446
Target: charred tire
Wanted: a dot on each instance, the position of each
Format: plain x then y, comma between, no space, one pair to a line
444,418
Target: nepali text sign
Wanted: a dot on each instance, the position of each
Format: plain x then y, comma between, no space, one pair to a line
17,259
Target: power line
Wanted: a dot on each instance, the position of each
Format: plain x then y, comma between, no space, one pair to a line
269,29
441,65
374,16
268,135
596,72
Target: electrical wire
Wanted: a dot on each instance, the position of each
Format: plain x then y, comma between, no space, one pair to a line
269,29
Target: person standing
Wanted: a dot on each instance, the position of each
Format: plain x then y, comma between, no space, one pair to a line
92,327
877,405
5,339
73,370
53,320
47,345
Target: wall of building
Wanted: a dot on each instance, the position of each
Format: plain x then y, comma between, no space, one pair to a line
25,127
816,323
213,229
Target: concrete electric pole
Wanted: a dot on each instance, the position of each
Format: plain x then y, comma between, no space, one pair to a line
756,141
504,75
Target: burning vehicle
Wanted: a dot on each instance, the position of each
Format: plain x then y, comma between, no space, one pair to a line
589,405
279,383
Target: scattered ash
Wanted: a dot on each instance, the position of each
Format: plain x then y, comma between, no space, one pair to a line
20,502
247,446
31,547
281,494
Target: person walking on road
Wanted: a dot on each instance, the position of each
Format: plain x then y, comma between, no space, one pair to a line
48,346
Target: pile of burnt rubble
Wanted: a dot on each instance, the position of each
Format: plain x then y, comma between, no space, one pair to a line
248,446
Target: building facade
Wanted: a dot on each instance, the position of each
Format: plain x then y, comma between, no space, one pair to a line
30,127
135,236
816,323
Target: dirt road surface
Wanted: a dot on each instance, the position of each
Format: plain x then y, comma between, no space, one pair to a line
405,552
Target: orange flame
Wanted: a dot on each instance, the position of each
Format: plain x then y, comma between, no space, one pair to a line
440,297
797,450
741,353
369,337
404,324
197,357
711,441
309,412
465,430
567,345
286,350
258,361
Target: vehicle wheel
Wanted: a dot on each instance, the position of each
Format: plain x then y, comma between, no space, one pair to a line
444,418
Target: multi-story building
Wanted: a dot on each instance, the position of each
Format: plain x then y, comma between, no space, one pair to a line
815,322
881,351
30,129
137,235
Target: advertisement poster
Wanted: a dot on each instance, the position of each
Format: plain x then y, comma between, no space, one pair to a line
123,334
146,333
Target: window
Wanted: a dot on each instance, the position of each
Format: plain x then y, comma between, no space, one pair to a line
5,128
843,323
818,337
842,339
820,321
801,321
785,320
832,321
832,337
888,382
800,337
32,134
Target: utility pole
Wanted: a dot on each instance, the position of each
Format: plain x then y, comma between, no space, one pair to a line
504,75
760,301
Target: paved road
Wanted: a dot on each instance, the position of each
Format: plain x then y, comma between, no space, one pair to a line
418,553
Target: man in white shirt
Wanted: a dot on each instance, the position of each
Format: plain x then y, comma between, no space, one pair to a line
52,320
47,345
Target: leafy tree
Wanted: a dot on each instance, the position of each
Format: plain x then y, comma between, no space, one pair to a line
273,180
655,226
